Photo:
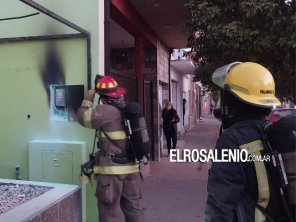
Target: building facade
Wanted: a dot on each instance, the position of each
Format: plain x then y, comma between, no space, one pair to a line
50,53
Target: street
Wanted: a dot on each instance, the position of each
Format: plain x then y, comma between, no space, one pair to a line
176,192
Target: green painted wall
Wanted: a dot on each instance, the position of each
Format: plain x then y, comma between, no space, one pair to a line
82,13
23,93
22,88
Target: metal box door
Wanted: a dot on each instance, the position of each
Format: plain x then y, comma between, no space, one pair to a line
57,166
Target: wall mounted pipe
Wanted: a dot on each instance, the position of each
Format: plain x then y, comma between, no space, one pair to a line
107,37
42,37
169,72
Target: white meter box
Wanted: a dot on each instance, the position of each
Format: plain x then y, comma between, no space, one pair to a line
65,101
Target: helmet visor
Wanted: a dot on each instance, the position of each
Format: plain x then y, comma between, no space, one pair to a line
219,76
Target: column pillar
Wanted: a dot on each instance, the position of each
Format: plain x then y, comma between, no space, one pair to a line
139,67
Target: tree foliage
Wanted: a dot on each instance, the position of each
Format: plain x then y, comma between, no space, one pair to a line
224,31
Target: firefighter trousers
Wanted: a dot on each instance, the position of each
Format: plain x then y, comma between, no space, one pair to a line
120,198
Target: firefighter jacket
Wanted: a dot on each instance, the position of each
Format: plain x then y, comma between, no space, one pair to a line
107,118
234,188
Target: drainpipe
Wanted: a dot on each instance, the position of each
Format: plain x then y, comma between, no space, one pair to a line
139,58
169,71
295,85
86,34
107,36
88,48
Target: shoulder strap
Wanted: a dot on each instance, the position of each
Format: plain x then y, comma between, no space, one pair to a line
127,129
259,128
279,167
120,108
94,144
108,137
262,209
263,138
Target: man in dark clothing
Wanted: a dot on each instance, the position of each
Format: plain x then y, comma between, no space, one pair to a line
236,190
170,120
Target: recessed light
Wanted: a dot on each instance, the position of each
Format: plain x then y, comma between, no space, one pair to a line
168,26
155,4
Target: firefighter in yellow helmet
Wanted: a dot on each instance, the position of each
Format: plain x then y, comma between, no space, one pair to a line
119,183
242,191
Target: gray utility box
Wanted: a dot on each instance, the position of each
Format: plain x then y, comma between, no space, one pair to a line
65,101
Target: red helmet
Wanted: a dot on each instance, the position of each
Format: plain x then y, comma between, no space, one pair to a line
108,86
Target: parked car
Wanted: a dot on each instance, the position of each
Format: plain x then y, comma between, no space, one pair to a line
276,114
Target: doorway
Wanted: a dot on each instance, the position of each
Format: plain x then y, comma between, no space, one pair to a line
148,112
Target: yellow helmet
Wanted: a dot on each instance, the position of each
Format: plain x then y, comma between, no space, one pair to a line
250,82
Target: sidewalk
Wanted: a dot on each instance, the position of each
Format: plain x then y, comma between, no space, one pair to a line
176,192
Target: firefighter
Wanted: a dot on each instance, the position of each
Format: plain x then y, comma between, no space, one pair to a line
119,183
242,191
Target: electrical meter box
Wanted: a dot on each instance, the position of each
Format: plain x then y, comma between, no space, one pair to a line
65,101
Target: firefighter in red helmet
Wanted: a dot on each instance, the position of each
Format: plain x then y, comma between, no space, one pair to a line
119,183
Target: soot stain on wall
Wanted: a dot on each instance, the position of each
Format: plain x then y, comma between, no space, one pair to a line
52,72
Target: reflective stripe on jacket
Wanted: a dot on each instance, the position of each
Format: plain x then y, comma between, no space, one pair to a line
232,185
255,148
114,135
109,119
115,170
